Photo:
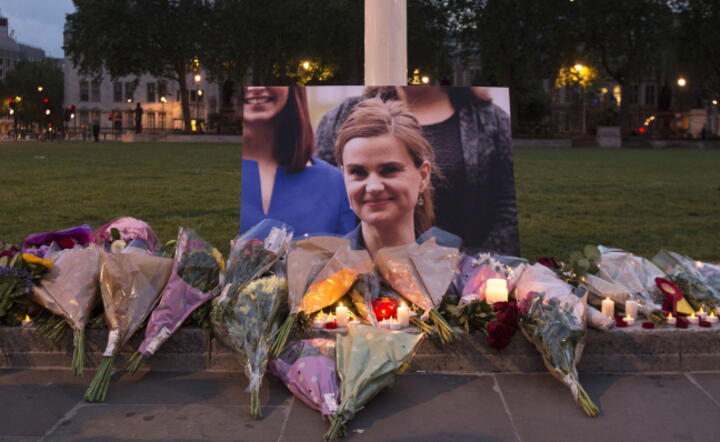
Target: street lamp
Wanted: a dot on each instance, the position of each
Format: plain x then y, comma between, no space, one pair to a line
425,79
39,88
197,79
163,100
681,81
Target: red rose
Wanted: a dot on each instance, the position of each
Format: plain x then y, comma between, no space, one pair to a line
549,261
648,325
681,322
499,334
705,324
620,322
331,325
510,315
66,243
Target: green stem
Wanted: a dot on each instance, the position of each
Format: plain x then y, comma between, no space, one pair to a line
134,362
444,330
337,428
78,361
255,408
283,334
98,389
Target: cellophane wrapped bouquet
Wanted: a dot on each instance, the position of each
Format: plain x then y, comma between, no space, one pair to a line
307,367
130,284
694,278
368,359
249,322
421,273
195,279
553,318
306,259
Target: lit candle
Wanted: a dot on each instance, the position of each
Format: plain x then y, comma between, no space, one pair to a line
670,320
341,312
608,308
394,324
403,315
629,320
319,321
692,319
712,318
26,322
631,308
701,313
496,290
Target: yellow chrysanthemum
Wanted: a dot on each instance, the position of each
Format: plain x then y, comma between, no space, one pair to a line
32,259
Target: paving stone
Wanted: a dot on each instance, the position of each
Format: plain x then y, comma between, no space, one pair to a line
710,382
32,401
632,407
417,408
189,422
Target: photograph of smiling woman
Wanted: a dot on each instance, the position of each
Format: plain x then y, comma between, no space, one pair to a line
280,177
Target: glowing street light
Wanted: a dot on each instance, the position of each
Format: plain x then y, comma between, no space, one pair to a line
39,88
682,82
306,65
197,78
425,79
715,102
47,111
200,92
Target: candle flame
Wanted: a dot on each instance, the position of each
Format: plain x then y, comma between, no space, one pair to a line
628,316
27,318
670,315
341,304
702,310
692,315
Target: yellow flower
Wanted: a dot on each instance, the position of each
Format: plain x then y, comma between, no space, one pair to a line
218,257
32,259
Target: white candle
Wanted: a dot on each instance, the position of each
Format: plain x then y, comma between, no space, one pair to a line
702,314
26,322
712,318
403,315
342,315
496,290
394,324
670,320
608,308
319,321
631,308
629,321
694,320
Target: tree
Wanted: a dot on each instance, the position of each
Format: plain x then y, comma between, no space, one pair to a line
163,38
519,44
626,40
429,38
24,82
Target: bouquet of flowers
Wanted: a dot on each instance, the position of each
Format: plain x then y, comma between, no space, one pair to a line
633,273
250,320
475,270
123,231
686,273
18,273
368,359
553,319
195,279
307,368
421,274
328,286
130,285
70,291
251,255
40,243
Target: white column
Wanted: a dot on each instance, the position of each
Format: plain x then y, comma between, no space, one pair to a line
385,42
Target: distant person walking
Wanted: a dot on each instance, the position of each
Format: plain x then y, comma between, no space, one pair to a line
138,118
96,131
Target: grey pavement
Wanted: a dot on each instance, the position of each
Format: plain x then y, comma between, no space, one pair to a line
47,405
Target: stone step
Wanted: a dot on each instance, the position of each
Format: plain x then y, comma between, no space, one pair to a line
620,350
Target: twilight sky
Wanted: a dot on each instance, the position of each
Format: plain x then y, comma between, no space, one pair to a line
38,23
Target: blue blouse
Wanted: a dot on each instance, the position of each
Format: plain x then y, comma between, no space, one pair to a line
313,201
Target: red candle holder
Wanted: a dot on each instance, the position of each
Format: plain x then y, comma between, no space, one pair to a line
384,308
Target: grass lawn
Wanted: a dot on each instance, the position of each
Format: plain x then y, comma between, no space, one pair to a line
640,200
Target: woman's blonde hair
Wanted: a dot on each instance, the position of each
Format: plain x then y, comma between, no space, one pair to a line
375,118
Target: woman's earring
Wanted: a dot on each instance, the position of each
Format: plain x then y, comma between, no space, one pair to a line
421,201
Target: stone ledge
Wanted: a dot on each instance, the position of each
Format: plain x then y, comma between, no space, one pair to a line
619,350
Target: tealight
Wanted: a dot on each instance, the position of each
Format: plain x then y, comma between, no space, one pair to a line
670,320
701,313
629,320
711,318
26,321
692,319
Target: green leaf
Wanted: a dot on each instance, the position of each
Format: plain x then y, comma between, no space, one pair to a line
114,234
592,253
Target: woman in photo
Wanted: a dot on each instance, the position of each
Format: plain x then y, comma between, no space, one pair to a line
280,177
470,137
387,166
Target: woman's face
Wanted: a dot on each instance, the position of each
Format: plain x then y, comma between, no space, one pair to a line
262,104
382,181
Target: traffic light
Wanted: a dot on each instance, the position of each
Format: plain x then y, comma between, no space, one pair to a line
46,106
69,113
11,105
